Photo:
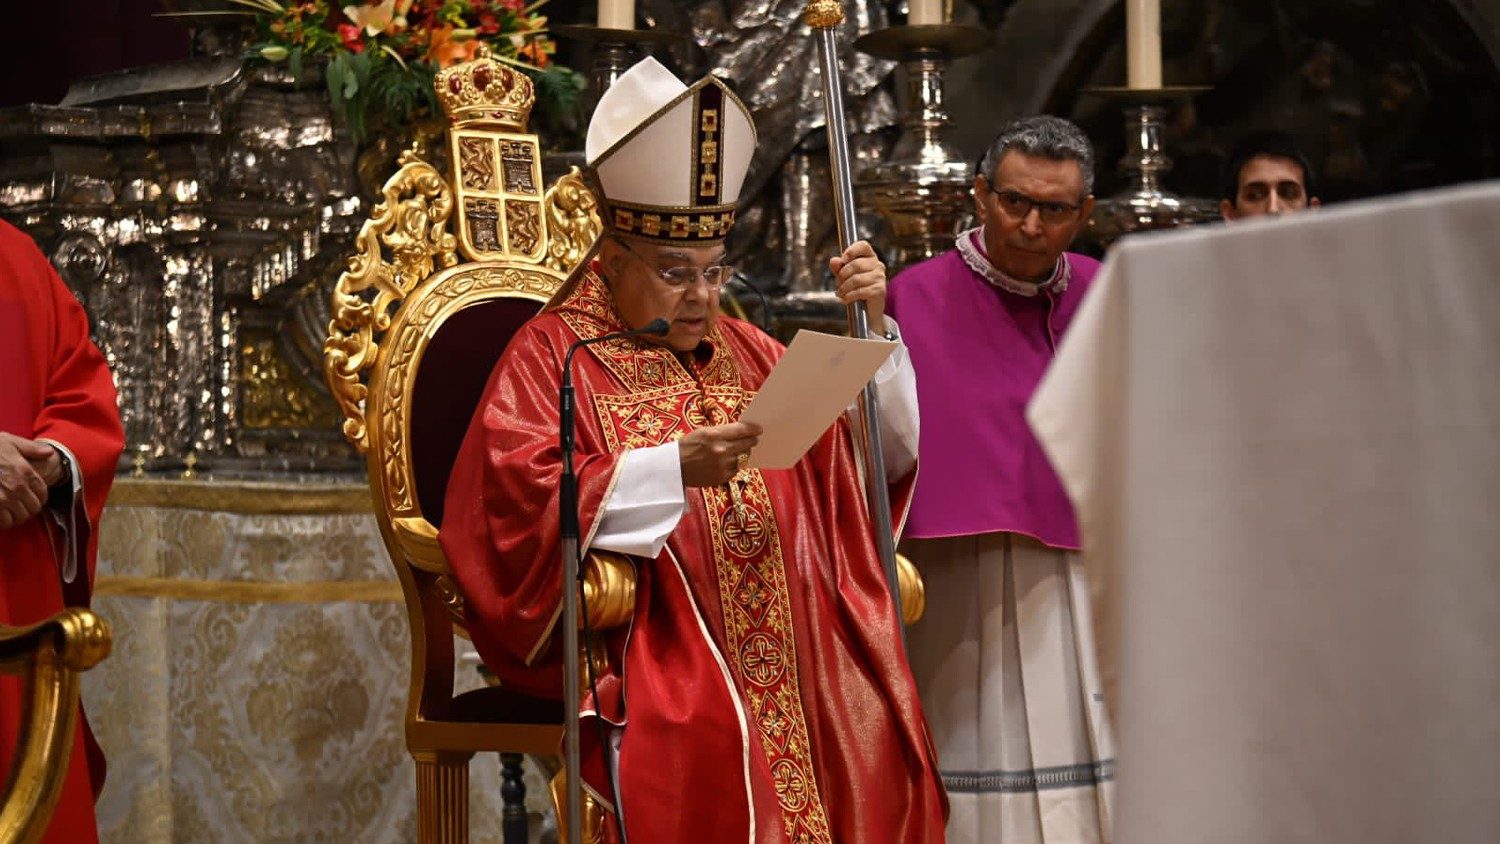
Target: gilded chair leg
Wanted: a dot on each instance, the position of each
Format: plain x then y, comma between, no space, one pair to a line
442,797
594,817
513,799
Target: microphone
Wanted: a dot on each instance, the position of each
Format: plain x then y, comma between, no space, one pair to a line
572,580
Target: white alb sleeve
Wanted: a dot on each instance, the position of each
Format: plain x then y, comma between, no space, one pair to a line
645,505
900,424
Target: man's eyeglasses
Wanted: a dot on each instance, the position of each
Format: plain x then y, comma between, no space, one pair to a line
681,278
1017,205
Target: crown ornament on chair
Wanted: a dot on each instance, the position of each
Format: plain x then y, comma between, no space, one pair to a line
485,91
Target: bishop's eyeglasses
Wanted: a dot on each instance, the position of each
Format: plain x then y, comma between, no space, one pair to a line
679,279
1017,205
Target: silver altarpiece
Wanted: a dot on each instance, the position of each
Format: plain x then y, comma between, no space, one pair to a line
197,209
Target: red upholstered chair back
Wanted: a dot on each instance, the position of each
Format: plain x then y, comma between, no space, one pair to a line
451,378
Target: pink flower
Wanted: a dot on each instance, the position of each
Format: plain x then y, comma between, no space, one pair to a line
351,36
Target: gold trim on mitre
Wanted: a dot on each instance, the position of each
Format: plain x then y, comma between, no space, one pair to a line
706,216
700,224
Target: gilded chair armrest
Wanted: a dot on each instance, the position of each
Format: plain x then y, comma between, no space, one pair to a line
417,540
608,589
53,654
75,639
913,591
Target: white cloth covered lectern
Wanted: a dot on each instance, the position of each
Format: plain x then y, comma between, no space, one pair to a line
1283,441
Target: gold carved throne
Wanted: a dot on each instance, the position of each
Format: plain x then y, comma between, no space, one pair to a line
445,270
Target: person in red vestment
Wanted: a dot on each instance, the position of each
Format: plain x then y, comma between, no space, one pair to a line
761,692
60,438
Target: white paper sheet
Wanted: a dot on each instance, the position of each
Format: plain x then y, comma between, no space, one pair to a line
816,380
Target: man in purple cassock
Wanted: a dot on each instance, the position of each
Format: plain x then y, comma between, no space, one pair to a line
1005,657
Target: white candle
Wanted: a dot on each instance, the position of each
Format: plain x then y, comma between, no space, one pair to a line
924,12
617,14
1143,43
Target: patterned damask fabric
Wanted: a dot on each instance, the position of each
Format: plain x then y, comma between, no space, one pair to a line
234,720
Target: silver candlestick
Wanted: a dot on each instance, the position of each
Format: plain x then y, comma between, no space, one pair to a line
1146,204
922,190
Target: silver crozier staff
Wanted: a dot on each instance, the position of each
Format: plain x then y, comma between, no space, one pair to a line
824,16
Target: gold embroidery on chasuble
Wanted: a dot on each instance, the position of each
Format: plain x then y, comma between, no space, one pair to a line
663,400
760,645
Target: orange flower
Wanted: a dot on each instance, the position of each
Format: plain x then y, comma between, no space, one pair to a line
536,52
444,50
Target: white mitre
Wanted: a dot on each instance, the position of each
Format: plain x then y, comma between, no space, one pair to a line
667,159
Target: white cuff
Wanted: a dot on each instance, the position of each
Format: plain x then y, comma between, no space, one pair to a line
896,386
646,504
68,521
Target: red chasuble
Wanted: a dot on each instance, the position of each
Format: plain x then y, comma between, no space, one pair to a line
764,695
53,385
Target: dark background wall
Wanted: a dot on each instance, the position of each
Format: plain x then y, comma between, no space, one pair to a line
1385,95
51,43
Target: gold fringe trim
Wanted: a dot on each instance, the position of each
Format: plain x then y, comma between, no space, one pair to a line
248,497
251,592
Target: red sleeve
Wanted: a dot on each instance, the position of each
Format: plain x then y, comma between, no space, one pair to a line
79,404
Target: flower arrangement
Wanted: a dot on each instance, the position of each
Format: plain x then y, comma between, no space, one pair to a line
382,55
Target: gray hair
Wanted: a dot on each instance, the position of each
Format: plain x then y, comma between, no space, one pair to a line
1044,136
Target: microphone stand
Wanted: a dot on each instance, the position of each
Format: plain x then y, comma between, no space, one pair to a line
572,583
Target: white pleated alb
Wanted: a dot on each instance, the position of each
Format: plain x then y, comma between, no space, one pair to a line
1005,661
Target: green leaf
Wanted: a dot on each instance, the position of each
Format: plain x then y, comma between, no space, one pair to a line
395,55
334,76
294,64
359,66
